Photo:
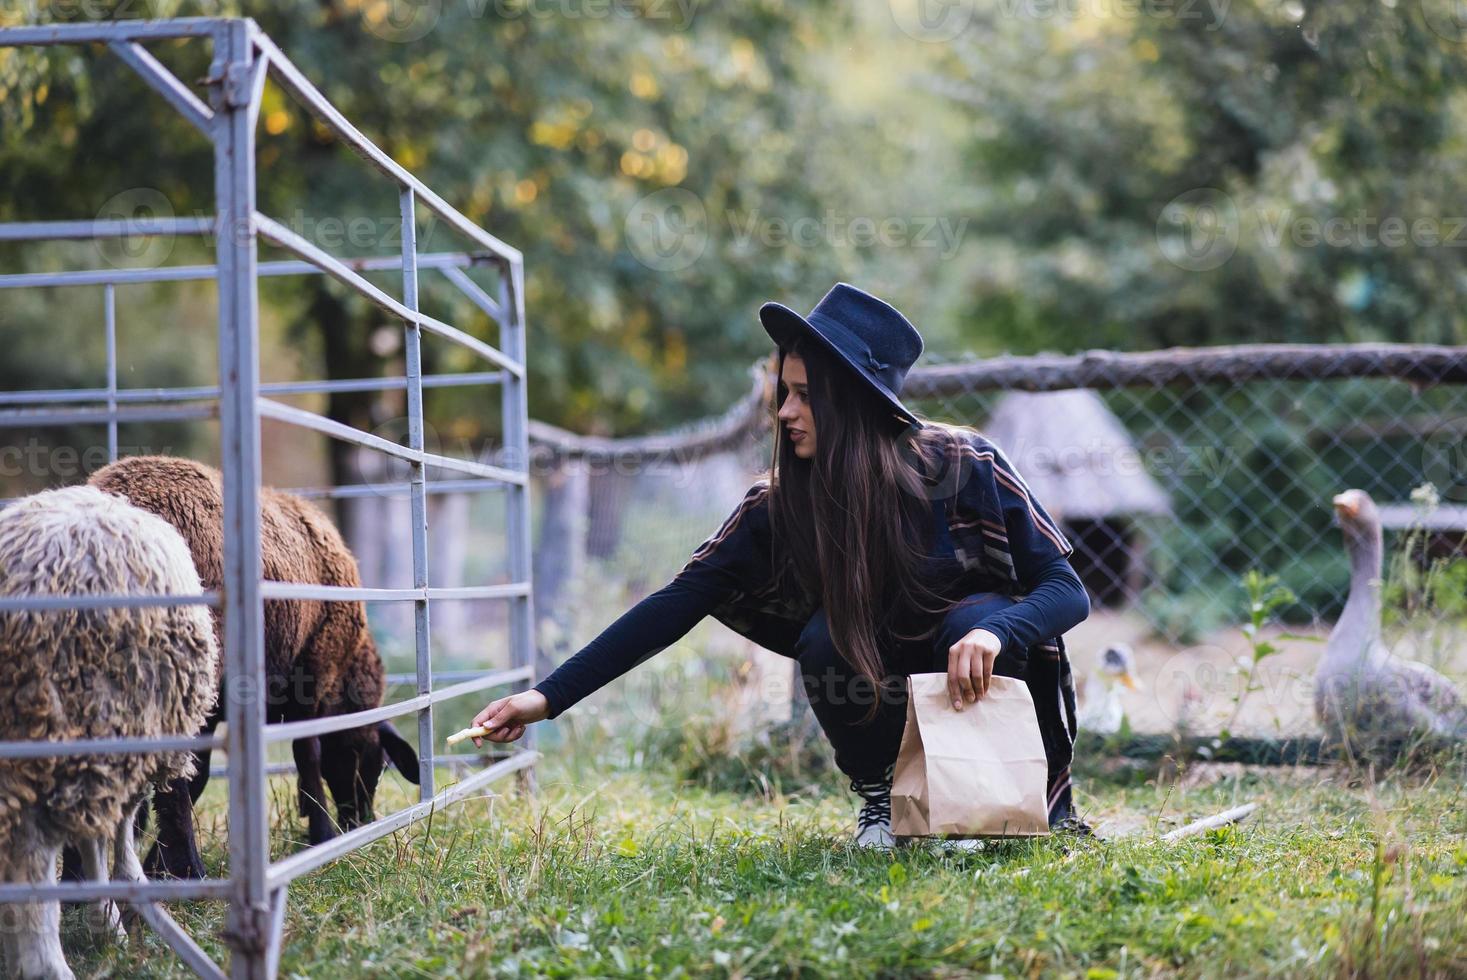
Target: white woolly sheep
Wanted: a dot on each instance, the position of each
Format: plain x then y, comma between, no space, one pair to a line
95,673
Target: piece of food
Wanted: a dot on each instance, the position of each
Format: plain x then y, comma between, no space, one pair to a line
478,731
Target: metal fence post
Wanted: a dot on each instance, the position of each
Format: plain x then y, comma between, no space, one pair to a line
517,442
109,313
239,426
413,354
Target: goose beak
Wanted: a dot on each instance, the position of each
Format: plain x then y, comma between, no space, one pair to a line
1347,505
1131,683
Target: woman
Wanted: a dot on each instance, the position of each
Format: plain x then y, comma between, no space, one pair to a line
878,545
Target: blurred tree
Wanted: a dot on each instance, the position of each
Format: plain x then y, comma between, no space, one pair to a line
621,152
1195,174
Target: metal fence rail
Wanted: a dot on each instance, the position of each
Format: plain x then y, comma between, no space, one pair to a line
1174,473
243,61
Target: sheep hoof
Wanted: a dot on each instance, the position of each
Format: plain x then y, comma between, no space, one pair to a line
49,968
133,922
104,923
172,862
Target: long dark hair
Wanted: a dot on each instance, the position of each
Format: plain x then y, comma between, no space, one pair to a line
853,525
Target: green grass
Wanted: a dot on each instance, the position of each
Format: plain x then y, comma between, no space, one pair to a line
615,871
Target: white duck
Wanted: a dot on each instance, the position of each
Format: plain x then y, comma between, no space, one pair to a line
1101,711
1361,692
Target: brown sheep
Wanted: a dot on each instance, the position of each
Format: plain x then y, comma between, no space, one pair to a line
320,658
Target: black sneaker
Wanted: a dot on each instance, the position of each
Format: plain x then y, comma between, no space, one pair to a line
1073,824
873,823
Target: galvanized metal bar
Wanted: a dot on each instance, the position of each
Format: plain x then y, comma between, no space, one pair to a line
337,430
39,603
106,31
344,593
461,760
291,730
60,231
418,497
276,935
206,392
293,81
276,233
271,769
114,746
489,679
109,313
191,273
303,862
475,293
85,891
515,414
395,489
11,418
463,379
180,941
244,625
259,74
439,676
166,84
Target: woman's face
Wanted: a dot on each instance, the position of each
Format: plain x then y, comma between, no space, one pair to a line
795,414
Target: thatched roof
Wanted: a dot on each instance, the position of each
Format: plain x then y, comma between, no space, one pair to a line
1075,454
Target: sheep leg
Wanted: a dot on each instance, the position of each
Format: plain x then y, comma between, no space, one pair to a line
33,930
9,950
175,853
310,792
103,920
125,863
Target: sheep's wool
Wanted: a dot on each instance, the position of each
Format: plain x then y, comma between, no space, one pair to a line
102,673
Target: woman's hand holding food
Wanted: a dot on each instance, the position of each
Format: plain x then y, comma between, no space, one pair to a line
507,717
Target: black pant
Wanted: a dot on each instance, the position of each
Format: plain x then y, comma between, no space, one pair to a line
841,697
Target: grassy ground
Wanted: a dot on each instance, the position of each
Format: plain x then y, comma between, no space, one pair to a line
625,869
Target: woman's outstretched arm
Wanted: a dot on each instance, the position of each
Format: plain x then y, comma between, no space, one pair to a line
640,633
720,566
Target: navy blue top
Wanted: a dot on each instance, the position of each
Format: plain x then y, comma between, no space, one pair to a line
1055,601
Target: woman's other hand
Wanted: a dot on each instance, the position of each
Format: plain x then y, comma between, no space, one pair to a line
970,666
508,716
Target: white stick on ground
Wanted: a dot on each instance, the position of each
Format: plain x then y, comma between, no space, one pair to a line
1196,827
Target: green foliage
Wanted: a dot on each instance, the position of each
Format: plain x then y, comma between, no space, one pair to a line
548,131
1418,584
1167,178
1265,597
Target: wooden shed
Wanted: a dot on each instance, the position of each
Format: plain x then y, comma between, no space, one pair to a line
1085,469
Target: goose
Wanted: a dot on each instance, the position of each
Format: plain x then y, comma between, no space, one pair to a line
1101,712
1361,692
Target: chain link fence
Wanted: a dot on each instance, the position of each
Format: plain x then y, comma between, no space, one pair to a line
1175,474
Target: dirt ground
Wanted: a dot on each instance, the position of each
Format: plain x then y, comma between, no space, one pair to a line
1198,684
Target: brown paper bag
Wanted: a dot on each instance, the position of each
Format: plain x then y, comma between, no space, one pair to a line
979,772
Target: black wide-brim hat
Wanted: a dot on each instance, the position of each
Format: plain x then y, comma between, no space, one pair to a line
867,333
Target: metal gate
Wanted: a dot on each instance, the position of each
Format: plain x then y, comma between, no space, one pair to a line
243,59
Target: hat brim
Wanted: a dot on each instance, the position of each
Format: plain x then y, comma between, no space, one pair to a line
784,325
